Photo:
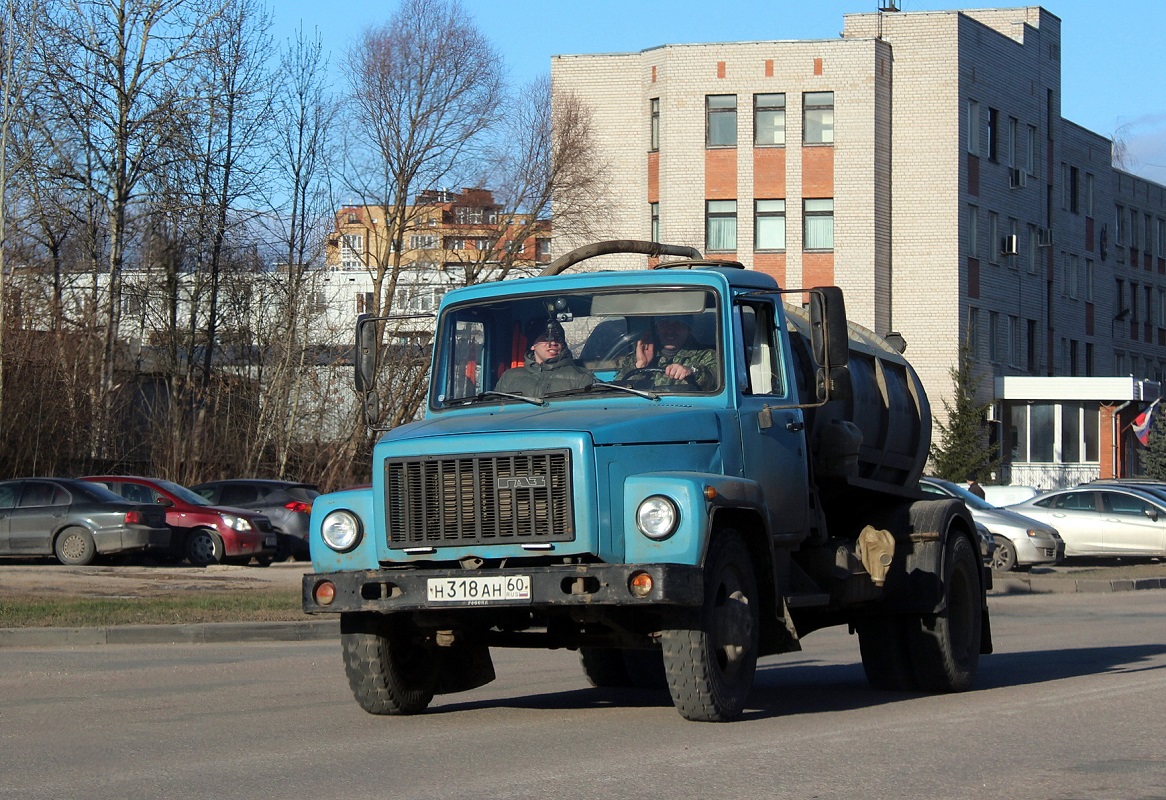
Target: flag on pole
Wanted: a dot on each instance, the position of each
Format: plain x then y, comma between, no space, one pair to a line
1143,422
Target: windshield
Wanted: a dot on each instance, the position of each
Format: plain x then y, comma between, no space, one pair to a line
543,347
970,500
184,494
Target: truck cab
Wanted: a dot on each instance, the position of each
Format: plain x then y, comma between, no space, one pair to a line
694,495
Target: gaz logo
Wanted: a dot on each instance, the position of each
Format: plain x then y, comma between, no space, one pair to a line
523,482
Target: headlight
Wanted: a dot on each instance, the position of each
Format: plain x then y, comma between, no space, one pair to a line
657,517
236,523
341,531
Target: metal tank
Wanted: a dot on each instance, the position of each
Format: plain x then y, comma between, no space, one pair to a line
880,436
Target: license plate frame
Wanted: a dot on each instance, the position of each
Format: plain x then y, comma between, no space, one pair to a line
479,590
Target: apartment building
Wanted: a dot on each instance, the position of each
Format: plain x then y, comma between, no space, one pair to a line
452,239
920,162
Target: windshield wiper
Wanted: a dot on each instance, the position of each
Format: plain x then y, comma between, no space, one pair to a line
629,389
477,398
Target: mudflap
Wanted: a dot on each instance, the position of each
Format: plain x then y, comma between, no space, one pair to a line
464,667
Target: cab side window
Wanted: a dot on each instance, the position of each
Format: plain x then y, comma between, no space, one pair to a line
762,355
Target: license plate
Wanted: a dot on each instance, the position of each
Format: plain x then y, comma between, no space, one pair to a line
270,541
494,589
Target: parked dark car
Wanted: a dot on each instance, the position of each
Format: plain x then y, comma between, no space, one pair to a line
288,504
203,534
75,521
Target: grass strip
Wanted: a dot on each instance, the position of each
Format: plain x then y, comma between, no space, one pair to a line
91,612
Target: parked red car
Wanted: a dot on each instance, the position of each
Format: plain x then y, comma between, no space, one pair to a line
203,533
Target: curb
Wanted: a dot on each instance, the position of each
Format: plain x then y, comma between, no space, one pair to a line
206,633
1011,584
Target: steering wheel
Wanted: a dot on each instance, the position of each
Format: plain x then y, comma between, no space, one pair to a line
620,345
689,384
639,372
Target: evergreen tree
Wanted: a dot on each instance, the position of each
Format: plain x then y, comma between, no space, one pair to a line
1154,458
963,449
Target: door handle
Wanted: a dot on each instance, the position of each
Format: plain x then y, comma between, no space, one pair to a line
793,426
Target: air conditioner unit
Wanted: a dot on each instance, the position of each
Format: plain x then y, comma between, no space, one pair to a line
1017,178
1044,237
1008,245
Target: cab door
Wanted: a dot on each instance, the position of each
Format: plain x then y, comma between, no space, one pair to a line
773,449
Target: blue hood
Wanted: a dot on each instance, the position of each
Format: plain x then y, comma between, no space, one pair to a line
651,423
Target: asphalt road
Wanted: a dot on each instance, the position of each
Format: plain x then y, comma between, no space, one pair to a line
1068,707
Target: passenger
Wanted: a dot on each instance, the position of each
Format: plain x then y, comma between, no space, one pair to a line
670,348
549,365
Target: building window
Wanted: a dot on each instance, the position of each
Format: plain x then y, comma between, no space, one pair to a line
1013,341
1014,233
973,232
1071,277
1089,280
769,225
1013,140
973,127
1149,237
364,303
993,336
422,242
1119,227
351,251
973,337
654,136
1031,249
993,237
1134,228
721,114
542,247
1073,179
455,243
993,133
1030,357
654,208
1089,194
721,225
818,118
768,119
1161,237
1030,152
819,224
1133,306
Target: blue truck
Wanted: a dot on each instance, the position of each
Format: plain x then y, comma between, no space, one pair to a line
671,525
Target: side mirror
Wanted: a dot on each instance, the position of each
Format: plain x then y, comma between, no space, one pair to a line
165,502
829,337
1152,514
366,353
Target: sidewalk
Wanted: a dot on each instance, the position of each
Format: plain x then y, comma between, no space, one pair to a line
1047,580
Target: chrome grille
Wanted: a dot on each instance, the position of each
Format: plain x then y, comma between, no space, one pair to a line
447,501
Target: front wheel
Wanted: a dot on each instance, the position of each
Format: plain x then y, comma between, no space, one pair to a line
204,548
390,668
1004,557
710,658
75,547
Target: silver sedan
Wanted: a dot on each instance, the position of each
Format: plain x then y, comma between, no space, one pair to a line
1103,520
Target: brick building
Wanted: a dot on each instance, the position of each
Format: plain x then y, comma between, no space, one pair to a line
920,162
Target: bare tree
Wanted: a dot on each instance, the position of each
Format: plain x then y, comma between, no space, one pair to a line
426,88
118,74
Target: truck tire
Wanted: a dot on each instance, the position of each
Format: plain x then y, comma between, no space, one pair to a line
612,668
710,657
74,547
390,670
886,653
604,667
945,647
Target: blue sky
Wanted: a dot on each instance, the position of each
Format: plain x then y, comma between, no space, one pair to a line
1113,57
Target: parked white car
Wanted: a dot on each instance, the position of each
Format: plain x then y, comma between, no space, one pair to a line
1001,496
1103,520
1021,542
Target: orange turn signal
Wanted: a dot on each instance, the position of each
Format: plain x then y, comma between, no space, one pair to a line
710,493
324,593
640,584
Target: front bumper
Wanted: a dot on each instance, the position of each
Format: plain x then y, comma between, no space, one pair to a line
578,585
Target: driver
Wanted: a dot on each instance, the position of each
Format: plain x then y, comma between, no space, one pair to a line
548,365
670,348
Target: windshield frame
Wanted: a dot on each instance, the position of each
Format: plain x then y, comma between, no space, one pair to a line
457,328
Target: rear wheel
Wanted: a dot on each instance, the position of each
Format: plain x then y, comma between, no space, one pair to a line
710,657
204,548
1004,557
390,668
945,647
886,654
75,547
